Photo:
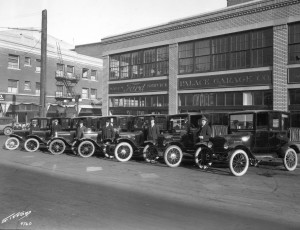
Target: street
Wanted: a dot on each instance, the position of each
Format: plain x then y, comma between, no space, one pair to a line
42,191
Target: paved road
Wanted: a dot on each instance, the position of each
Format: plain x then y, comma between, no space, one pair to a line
68,192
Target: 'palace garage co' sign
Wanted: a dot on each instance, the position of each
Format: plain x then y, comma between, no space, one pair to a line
226,80
139,87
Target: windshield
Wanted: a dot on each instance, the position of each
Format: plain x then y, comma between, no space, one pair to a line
179,122
241,121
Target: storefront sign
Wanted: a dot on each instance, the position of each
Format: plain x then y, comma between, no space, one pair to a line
139,87
226,80
294,75
2,97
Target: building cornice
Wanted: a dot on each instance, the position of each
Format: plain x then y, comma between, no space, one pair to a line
181,24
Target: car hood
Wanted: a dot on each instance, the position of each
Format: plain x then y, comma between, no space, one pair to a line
229,138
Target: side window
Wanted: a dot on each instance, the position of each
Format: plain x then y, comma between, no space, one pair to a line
44,124
275,121
262,121
285,122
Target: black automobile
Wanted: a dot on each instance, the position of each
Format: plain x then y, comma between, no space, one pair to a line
33,140
254,136
180,138
66,139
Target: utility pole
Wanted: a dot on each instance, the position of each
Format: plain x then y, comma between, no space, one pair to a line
43,76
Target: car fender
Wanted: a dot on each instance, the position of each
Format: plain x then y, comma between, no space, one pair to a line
244,148
288,145
174,143
35,137
77,143
20,138
58,138
149,142
128,141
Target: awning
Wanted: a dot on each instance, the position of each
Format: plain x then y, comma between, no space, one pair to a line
90,112
23,107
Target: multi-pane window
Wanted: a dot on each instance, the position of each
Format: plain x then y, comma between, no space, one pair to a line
38,65
60,68
85,93
138,64
294,43
85,73
37,88
59,91
13,61
93,75
27,86
227,99
70,71
27,61
13,86
140,101
93,93
233,51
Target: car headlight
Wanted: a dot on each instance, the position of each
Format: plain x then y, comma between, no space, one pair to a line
245,139
210,144
226,146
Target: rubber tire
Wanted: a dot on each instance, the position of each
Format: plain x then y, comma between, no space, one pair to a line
84,143
233,156
7,131
59,152
286,163
32,150
197,156
145,155
166,158
8,140
125,144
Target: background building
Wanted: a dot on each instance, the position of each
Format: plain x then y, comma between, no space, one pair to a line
245,56
70,76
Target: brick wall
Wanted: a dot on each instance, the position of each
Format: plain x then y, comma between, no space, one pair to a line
280,52
105,101
173,70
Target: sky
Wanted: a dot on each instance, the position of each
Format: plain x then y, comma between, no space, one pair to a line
87,21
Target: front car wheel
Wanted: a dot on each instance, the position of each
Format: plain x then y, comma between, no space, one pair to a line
12,143
57,147
239,162
123,151
290,159
173,156
7,131
31,145
86,149
150,153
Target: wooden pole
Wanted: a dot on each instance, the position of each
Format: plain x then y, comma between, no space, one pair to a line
43,76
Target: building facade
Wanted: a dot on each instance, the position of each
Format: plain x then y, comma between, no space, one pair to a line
242,57
73,80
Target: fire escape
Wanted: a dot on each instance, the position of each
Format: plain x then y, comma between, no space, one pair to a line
65,80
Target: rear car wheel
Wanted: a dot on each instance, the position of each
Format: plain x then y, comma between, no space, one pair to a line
57,147
173,156
31,145
198,156
123,151
239,162
150,153
290,159
7,131
86,149
12,143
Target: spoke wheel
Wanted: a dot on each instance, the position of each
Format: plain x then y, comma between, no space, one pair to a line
7,131
123,151
198,155
239,162
290,159
57,147
173,156
86,149
150,153
31,145
12,143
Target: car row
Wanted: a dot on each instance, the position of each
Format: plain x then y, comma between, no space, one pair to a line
245,138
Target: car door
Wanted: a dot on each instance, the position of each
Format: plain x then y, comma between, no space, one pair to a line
275,134
261,134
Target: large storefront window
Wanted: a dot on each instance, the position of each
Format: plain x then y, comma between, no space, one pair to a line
294,43
139,104
228,99
140,64
234,51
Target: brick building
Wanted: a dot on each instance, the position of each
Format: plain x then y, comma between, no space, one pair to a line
245,56
68,74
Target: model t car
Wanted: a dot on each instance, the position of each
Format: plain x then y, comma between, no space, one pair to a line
180,138
33,139
254,136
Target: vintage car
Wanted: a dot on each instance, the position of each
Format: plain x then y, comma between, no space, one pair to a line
180,138
36,138
6,125
254,136
66,139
